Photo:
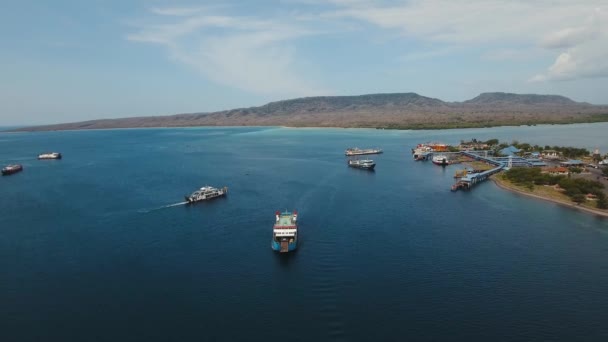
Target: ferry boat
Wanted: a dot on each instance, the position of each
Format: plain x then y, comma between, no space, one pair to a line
285,232
10,169
51,155
421,151
206,193
366,164
358,152
441,159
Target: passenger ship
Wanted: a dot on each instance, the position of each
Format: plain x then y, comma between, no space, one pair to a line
206,193
285,232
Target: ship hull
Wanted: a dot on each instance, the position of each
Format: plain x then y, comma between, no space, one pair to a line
441,163
191,201
369,168
291,246
10,172
362,153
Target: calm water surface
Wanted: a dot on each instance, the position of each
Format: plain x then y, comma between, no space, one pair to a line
90,252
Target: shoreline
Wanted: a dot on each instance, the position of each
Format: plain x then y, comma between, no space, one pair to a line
503,186
33,129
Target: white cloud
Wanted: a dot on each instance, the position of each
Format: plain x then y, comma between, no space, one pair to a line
177,11
248,53
258,53
581,27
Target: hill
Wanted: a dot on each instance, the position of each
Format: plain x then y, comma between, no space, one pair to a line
398,110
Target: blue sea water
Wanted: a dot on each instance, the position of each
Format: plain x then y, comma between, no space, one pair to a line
91,250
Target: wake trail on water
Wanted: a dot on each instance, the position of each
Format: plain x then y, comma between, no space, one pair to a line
163,207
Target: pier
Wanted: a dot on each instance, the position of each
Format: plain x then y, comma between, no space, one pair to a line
468,181
500,163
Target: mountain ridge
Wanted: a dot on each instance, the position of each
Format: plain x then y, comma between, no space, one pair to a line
384,110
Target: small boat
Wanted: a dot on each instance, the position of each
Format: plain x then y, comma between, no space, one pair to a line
50,155
10,169
357,151
285,232
206,193
366,164
441,159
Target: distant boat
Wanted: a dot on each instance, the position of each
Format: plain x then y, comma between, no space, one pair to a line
285,232
441,159
206,193
51,155
366,164
10,169
357,151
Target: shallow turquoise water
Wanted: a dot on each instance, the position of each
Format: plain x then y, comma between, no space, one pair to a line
88,250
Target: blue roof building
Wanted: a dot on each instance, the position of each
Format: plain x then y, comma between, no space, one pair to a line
510,151
572,162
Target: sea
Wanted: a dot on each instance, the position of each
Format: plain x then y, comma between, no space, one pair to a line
99,246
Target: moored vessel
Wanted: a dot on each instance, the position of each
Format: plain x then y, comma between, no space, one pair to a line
354,151
206,193
441,159
285,232
10,169
50,155
366,164
423,151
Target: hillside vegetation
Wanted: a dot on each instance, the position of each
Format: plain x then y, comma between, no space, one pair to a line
399,111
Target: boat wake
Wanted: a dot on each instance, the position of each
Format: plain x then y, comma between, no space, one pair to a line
163,207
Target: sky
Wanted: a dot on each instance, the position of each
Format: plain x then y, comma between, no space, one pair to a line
70,60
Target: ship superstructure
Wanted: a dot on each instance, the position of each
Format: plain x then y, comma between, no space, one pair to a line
10,169
206,193
355,151
366,164
50,155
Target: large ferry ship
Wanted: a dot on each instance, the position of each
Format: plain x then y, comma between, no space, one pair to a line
285,232
51,155
422,151
10,169
206,193
357,151
366,164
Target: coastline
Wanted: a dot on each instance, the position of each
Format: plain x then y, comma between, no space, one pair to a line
395,127
563,203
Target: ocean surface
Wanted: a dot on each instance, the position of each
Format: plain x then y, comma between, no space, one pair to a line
93,247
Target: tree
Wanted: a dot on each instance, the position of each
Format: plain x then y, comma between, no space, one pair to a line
492,142
602,202
579,198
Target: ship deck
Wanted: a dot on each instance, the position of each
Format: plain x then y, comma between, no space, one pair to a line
285,221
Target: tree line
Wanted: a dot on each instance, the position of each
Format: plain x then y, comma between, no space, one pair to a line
575,188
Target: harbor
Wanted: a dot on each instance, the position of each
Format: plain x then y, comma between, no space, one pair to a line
547,172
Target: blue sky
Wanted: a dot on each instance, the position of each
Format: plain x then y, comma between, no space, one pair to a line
79,60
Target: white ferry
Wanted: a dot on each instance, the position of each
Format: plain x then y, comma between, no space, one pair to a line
206,193
51,155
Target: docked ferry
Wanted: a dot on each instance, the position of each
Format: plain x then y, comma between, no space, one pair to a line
51,155
366,164
206,193
10,169
358,152
441,159
423,151
285,232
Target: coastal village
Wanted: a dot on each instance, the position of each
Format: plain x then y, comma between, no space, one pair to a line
567,175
